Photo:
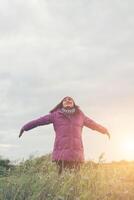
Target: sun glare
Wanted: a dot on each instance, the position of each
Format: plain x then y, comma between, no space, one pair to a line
127,148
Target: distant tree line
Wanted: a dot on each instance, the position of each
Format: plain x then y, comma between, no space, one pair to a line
5,166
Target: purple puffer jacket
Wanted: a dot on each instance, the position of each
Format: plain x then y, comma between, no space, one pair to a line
68,129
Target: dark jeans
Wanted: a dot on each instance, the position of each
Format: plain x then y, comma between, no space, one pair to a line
64,164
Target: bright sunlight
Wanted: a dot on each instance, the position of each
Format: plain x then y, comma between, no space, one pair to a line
127,147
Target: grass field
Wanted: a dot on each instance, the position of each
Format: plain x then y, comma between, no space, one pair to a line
37,179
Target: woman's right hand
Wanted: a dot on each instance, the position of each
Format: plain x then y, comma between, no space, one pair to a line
21,132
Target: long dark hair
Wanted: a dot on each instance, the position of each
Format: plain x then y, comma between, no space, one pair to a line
60,105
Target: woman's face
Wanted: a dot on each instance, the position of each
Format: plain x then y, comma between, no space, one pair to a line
68,102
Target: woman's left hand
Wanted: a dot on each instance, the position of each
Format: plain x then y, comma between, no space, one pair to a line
108,134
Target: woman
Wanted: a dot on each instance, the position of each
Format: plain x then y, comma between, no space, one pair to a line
68,121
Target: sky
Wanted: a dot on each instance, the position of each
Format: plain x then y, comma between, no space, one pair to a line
56,48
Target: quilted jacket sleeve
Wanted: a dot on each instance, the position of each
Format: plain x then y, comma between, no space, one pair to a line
93,125
47,119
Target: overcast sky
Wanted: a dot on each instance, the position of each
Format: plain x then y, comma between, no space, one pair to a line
53,48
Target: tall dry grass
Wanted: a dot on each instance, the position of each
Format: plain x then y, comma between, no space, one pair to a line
37,179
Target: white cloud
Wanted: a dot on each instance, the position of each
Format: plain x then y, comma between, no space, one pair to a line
50,49
7,146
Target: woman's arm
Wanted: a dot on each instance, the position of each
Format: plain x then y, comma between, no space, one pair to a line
47,119
94,126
